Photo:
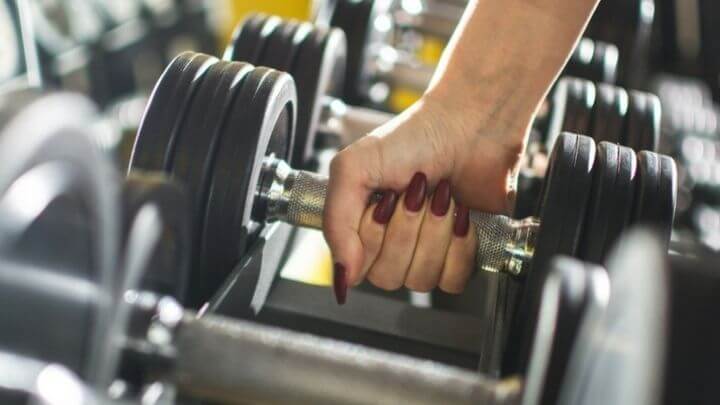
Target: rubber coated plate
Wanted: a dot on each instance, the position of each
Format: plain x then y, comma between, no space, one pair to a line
199,137
656,196
572,287
642,131
261,121
246,42
608,117
165,110
279,50
572,107
312,56
357,19
167,267
593,60
562,213
321,57
611,200
58,314
605,62
619,355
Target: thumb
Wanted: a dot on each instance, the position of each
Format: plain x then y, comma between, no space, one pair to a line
349,187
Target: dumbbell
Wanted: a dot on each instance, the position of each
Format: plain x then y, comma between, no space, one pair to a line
316,58
233,166
594,60
369,61
608,113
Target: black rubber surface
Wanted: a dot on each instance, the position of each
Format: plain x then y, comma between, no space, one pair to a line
608,116
611,200
261,121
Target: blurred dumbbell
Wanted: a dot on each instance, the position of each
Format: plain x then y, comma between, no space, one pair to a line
370,59
317,58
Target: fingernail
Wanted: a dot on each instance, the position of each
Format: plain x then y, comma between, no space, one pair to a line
385,208
416,191
462,221
441,199
340,285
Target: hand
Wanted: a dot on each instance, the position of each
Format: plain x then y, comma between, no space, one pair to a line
432,161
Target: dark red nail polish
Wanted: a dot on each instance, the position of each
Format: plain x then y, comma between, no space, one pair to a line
340,284
385,208
441,199
462,221
416,192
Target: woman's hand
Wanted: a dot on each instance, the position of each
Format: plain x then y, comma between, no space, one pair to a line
463,139
431,164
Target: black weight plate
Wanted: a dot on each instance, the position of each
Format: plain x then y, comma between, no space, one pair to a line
572,107
562,214
319,61
593,60
260,122
571,289
168,266
611,200
356,19
199,140
279,50
605,62
656,195
642,129
165,110
60,314
608,117
245,43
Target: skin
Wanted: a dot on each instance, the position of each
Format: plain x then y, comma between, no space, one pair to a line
469,127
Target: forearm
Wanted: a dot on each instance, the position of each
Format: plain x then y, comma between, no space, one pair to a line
504,56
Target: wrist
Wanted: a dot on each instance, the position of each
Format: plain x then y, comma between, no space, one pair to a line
487,115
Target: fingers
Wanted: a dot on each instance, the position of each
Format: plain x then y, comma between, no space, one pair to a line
372,229
460,257
389,269
420,243
350,184
433,241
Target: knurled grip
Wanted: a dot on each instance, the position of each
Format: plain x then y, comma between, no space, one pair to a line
503,243
306,193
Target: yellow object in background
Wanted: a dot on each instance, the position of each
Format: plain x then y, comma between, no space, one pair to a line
428,53
430,50
237,10
310,261
401,99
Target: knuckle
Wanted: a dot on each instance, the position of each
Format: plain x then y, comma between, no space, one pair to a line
420,285
451,288
384,283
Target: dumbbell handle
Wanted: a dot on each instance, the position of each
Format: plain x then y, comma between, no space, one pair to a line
236,361
350,123
298,197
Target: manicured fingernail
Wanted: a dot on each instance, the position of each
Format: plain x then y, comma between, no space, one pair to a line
385,208
416,192
462,221
340,284
441,199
